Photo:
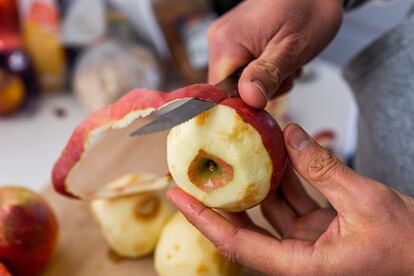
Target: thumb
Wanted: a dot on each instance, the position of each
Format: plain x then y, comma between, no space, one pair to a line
265,76
344,188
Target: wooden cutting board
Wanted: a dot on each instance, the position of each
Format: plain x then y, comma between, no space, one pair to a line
82,251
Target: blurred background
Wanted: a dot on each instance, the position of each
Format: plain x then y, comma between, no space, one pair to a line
63,59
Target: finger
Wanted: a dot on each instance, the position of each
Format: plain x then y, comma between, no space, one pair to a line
239,244
286,86
345,189
311,226
243,220
299,73
225,56
278,213
295,193
263,77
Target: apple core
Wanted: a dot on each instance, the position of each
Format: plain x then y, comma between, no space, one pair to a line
209,172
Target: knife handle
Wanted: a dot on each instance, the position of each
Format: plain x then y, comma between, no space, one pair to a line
230,84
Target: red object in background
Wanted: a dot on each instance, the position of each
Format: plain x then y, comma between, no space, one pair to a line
9,25
4,271
13,58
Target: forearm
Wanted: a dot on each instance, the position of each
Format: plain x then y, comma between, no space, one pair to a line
351,4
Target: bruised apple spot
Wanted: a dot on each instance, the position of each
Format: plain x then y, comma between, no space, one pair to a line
201,118
147,208
201,269
114,257
177,247
248,196
208,172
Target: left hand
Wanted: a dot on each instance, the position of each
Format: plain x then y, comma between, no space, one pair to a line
371,232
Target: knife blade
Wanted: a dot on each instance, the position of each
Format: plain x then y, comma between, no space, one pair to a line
184,110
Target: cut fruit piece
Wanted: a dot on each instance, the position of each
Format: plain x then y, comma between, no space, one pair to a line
183,250
229,157
132,224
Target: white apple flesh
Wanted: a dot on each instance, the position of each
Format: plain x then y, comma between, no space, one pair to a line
183,250
131,224
221,160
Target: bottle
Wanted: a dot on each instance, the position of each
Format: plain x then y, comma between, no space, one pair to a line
184,24
40,26
17,76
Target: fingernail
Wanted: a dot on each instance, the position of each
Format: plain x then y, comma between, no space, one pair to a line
298,138
261,88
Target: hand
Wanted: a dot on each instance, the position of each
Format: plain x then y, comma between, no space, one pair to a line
370,232
277,37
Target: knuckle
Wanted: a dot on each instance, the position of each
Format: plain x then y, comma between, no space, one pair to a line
270,70
322,165
217,32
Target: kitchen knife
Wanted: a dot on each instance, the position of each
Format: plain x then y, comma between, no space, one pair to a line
183,110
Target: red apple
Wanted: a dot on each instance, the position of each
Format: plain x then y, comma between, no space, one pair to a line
28,231
230,157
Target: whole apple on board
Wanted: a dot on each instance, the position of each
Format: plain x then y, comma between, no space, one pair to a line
183,250
28,231
229,158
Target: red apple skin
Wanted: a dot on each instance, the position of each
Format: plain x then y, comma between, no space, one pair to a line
138,99
265,124
28,231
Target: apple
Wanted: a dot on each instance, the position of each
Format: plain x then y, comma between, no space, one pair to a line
183,250
229,158
28,231
132,223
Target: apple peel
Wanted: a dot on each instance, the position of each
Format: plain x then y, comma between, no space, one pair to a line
132,184
123,115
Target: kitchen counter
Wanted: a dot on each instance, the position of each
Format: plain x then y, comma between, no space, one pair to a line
30,142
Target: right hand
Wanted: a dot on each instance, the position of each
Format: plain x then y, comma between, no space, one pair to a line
275,38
